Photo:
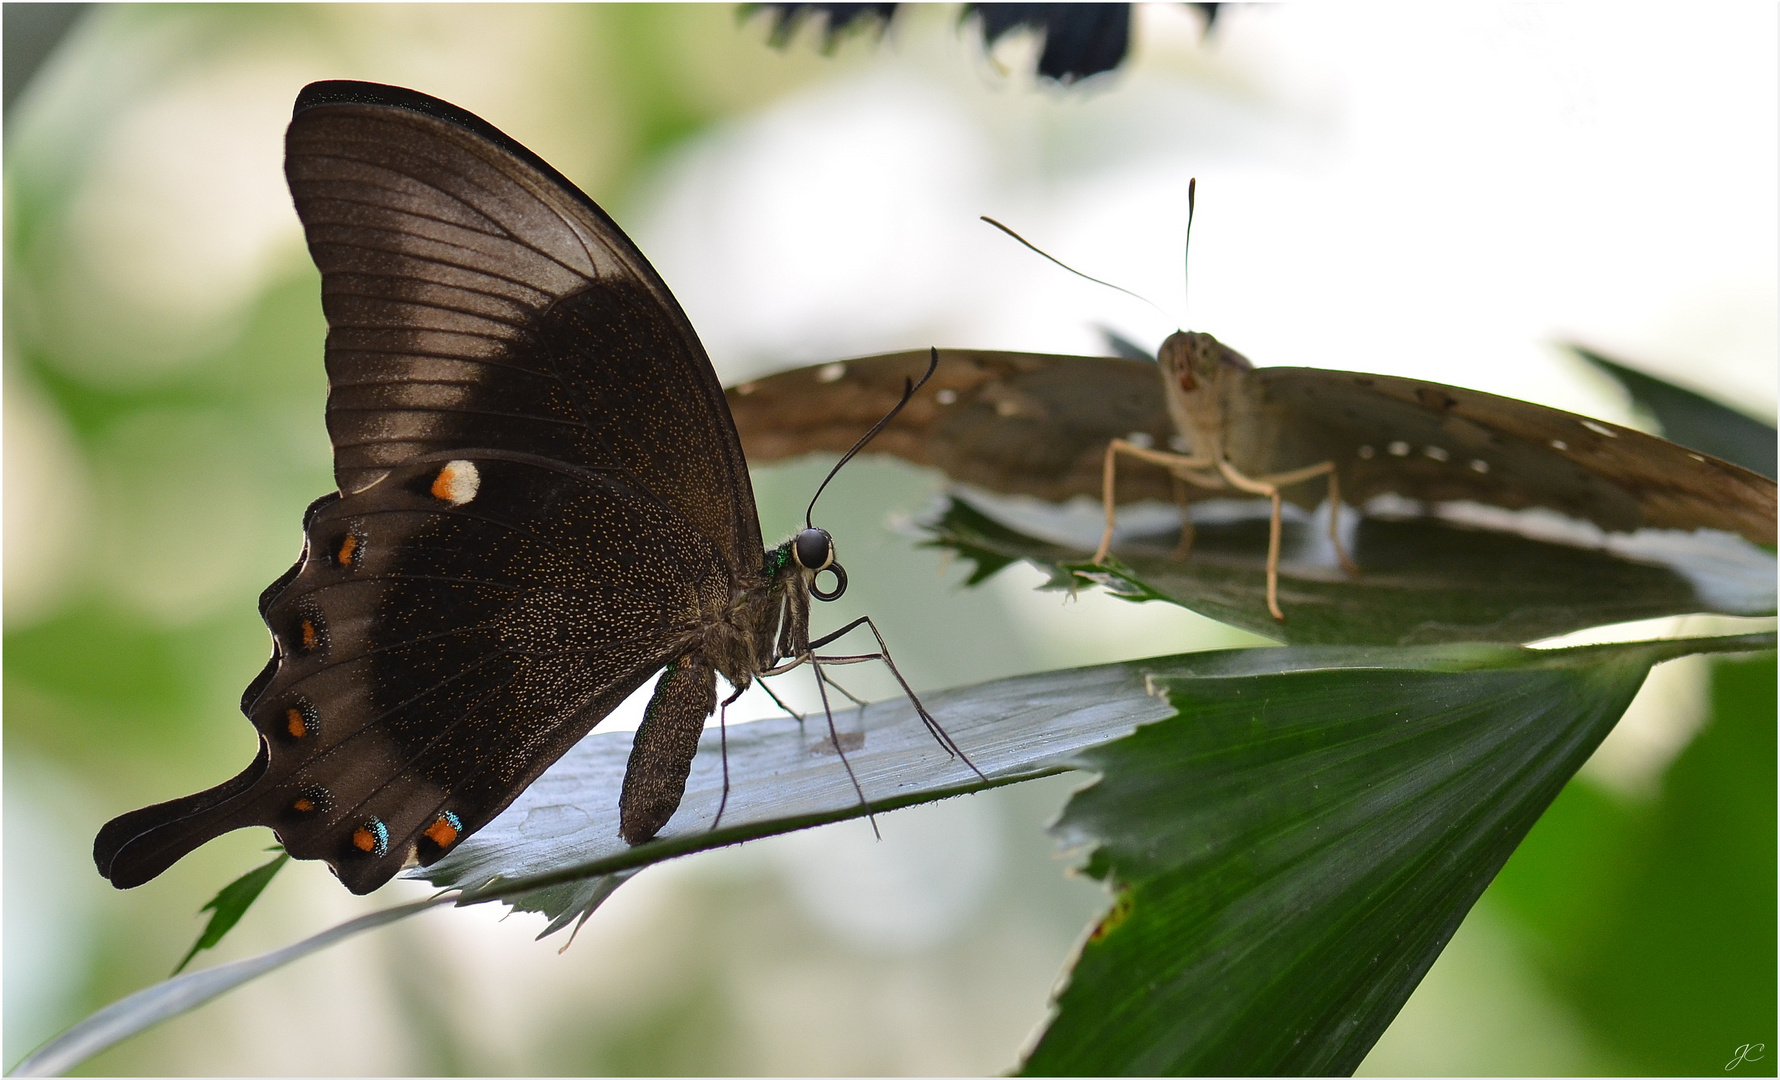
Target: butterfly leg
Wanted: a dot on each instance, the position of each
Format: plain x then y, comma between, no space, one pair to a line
1185,547
848,694
883,653
840,751
723,744
793,713
1269,486
1175,463
661,755
1347,564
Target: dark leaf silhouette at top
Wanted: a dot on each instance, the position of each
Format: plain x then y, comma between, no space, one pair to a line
1080,40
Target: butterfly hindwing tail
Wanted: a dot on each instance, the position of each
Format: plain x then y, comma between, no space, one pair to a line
137,846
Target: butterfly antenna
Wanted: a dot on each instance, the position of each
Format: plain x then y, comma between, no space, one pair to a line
1035,248
909,387
1187,246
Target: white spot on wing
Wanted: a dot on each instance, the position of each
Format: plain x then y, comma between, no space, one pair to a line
1140,439
457,482
946,396
1435,453
1559,444
1600,429
1399,448
831,372
1478,465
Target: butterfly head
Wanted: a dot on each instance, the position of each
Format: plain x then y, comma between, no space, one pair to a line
1192,362
813,551
1196,371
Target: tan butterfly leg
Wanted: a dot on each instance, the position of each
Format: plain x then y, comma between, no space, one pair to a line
1182,465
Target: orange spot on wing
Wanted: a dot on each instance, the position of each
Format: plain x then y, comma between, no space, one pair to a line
294,721
348,547
442,484
364,839
303,805
309,635
441,832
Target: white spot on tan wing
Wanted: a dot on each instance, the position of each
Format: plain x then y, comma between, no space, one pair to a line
947,396
747,388
1559,444
1399,448
1435,453
1600,429
1478,465
831,372
456,483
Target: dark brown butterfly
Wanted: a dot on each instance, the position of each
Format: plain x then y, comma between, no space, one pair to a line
1045,426
542,503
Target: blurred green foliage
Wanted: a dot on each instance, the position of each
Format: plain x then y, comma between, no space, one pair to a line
1656,922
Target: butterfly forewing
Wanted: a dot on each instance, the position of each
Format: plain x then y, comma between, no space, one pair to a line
457,271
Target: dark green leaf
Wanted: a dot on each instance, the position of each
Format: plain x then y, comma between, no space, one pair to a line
1291,851
1421,581
227,906
1694,420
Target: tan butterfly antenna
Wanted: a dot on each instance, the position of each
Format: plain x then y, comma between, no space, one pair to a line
1186,261
1040,251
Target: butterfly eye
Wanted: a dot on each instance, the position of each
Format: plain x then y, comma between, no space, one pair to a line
814,549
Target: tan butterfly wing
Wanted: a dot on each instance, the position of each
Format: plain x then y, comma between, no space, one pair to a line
1436,443
1015,423
1037,424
